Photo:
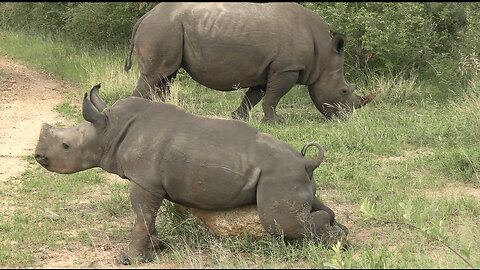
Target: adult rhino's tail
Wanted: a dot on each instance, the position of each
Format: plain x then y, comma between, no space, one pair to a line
313,164
128,62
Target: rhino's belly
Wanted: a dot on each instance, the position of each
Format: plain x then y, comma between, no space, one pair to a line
227,76
226,66
212,186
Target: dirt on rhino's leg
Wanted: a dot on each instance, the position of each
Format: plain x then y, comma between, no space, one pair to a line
144,235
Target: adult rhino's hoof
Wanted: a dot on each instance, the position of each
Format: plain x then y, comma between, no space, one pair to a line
273,120
240,114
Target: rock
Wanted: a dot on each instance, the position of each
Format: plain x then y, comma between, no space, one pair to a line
228,223
49,214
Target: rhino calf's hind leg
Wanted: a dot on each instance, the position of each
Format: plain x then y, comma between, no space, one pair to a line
251,98
288,207
318,205
144,234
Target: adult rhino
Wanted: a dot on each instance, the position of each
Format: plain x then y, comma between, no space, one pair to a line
199,162
266,47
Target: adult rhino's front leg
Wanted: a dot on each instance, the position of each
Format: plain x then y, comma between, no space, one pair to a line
277,86
144,235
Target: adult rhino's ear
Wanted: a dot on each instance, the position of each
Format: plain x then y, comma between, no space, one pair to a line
92,115
96,99
338,42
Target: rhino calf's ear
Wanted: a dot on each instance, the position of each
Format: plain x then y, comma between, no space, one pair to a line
91,114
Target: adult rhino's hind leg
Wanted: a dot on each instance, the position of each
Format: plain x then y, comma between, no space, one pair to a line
251,98
164,86
146,87
144,235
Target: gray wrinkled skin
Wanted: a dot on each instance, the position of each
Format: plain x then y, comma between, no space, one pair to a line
267,48
200,162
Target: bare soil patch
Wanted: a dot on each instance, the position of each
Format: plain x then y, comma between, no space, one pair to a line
27,99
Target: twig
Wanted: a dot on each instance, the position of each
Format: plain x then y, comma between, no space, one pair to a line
415,227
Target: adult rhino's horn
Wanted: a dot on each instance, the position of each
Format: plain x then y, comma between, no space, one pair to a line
91,114
367,99
96,99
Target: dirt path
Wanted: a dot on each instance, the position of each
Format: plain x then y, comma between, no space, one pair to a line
27,99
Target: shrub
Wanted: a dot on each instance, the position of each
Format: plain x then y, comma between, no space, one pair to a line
43,17
104,23
393,37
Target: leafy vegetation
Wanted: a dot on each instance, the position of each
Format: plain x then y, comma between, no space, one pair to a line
403,173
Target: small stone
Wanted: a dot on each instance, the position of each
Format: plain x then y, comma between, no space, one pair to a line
49,214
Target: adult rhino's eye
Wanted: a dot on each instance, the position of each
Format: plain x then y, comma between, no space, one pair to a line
65,146
344,91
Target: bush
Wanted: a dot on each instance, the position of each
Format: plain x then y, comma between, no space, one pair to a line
43,17
91,23
394,37
104,23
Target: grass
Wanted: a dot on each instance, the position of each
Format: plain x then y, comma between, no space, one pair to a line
400,169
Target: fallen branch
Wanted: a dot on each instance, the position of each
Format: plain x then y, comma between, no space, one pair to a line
415,227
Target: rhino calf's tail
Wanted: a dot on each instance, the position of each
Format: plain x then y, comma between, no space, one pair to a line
128,62
313,164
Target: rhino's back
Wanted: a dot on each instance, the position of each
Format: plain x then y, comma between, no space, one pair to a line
226,45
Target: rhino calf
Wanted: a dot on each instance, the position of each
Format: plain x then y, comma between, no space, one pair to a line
199,162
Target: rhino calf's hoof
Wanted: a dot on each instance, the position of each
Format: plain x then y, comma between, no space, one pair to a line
337,233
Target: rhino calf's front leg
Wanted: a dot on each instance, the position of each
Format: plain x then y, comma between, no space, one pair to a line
144,235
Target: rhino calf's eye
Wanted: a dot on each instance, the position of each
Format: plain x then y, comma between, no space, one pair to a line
65,146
